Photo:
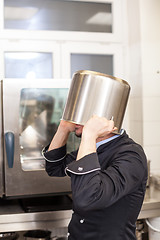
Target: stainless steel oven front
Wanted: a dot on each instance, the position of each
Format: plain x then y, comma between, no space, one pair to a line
31,113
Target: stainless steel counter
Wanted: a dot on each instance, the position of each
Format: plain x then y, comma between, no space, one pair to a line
13,218
151,204
20,221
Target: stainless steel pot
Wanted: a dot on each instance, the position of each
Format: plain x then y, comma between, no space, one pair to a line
92,93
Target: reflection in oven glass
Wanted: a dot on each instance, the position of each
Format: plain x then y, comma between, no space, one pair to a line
40,114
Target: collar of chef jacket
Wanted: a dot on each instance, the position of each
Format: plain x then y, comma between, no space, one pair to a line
109,139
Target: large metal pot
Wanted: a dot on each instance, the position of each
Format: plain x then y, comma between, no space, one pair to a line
92,93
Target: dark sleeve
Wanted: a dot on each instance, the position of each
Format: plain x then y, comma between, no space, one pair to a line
93,188
57,160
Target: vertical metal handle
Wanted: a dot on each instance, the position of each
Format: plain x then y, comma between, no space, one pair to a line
9,141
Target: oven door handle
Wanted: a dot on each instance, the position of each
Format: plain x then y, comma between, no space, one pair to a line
9,141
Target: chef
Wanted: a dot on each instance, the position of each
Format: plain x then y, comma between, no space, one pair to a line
108,172
108,179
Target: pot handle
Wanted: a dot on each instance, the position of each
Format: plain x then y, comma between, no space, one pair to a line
9,141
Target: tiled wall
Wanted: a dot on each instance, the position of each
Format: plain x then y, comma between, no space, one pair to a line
144,50
150,37
135,79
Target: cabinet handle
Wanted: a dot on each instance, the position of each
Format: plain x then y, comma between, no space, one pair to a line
9,141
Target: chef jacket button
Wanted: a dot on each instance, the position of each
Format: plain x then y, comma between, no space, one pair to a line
82,221
80,169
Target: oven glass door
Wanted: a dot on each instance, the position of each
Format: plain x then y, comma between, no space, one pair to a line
40,113
1,147
32,112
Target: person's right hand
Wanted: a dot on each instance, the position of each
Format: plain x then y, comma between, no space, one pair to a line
67,126
61,136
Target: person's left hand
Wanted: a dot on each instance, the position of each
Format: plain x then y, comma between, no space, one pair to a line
99,127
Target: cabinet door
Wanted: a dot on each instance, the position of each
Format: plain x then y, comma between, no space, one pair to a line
83,16
58,15
30,59
105,58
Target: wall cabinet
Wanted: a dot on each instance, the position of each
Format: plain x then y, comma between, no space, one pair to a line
45,59
55,39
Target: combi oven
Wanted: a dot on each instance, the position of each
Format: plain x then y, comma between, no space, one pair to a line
31,112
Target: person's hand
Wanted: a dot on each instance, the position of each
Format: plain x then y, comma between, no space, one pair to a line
97,127
61,136
67,126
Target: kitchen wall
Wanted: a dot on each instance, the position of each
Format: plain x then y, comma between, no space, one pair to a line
144,75
150,45
134,69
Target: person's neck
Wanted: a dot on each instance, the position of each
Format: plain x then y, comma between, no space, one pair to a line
105,137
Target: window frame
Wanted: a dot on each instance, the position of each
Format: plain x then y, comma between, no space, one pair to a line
116,36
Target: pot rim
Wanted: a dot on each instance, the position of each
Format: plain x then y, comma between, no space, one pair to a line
94,73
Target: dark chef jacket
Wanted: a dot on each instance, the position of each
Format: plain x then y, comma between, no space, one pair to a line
108,188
